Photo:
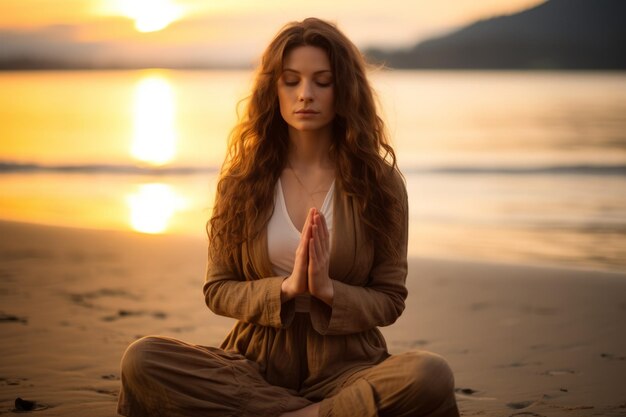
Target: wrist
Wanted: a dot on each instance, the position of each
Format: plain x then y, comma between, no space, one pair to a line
286,291
326,293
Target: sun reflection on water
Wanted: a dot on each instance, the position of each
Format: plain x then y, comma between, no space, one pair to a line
152,207
154,135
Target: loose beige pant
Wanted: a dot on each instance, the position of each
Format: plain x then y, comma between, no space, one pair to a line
167,377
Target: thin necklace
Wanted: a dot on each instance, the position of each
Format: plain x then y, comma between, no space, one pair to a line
303,186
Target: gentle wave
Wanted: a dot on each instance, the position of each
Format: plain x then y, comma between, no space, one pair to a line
603,169
12,167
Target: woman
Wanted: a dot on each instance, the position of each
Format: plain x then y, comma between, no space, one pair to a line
307,249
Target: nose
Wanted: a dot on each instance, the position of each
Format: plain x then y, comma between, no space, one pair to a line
306,92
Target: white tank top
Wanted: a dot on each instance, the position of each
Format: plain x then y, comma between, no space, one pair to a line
283,237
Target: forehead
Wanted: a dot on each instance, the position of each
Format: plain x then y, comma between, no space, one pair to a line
307,59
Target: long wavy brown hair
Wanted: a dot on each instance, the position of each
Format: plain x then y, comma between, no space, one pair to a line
257,151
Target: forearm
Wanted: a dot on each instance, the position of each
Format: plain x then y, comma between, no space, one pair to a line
356,309
257,301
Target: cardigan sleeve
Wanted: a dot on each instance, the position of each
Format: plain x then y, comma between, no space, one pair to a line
257,301
379,303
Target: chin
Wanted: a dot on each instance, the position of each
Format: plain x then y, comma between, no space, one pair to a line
309,127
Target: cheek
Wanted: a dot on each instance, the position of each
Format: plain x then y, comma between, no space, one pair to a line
330,101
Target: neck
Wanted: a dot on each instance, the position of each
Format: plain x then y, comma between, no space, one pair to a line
310,148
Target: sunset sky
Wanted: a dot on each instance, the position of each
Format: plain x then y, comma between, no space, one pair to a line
217,31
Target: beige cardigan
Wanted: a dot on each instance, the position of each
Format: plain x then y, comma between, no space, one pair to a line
309,352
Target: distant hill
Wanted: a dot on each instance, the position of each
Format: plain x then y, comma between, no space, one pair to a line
558,34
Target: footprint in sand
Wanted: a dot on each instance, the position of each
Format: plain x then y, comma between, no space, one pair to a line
13,381
23,406
554,394
560,372
612,357
520,404
471,394
135,313
10,318
466,391
573,407
518,364
86,299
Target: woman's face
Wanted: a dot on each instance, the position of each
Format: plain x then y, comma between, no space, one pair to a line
306,89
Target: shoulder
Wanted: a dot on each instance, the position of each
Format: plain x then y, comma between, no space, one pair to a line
394,181
397,179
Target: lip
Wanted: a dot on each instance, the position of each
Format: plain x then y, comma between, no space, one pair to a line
306,111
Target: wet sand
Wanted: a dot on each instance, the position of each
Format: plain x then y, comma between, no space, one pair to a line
522,340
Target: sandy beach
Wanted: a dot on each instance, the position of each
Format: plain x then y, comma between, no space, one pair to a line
522,340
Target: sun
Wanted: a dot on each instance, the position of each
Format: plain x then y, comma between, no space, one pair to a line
150,15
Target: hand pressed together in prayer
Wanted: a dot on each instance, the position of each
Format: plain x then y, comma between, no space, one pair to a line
310,271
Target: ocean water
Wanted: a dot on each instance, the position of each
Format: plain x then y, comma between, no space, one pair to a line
521,167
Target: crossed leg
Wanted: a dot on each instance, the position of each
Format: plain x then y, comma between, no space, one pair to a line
167,377
406,385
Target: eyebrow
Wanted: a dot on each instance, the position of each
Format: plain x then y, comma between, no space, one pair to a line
298,72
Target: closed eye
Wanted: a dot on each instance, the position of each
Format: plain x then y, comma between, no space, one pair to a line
291,81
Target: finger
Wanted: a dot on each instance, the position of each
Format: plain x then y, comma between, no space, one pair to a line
304,239
318,241
310,217
324,234
316,235
321,221
312,255
302,252
306,229
302,255
318,223
322,218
